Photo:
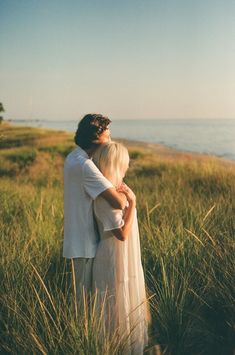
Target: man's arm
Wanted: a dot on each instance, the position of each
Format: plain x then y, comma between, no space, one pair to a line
116,199
96,184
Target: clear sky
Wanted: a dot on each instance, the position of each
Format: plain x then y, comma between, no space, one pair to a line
60,59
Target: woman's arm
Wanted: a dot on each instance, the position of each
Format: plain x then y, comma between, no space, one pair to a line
122,233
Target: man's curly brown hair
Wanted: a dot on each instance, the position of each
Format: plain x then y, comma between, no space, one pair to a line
89,129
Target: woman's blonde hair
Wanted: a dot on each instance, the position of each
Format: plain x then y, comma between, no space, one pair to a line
112,159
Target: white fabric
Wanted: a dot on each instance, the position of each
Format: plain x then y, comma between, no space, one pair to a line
118,277
83,275
83,182
111,218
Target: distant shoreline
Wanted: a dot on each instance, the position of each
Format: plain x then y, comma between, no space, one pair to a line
159,148
172,153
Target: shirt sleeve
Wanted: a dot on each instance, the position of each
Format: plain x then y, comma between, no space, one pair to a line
109,217
94,182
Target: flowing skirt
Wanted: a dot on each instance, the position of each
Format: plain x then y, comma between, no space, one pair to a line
118,279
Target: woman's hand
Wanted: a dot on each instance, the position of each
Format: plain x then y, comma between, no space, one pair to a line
131,198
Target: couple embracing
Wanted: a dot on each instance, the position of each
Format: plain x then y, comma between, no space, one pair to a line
101,231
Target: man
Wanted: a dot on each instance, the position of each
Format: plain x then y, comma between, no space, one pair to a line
83,182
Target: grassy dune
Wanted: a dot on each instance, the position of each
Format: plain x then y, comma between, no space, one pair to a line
186,211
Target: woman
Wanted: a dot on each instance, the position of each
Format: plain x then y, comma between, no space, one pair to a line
117,270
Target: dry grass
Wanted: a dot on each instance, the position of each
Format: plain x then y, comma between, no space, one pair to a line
186,218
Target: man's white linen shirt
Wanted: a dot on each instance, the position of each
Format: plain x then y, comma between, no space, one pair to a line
83,182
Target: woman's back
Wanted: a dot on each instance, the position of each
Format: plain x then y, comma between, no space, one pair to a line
118,276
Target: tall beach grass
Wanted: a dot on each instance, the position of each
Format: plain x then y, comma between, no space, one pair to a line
186,218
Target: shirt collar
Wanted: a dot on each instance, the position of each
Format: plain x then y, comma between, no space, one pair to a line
82,152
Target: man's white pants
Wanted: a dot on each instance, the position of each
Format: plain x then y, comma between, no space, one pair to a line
82,275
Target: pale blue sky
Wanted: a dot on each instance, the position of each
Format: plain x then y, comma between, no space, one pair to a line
127,59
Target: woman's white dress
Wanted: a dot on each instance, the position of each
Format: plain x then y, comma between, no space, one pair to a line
118,278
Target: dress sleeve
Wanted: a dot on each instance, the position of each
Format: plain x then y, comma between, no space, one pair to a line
94,182
109,217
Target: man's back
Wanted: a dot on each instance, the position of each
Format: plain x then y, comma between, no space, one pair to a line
83,182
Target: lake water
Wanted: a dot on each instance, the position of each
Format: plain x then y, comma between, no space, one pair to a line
209,136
